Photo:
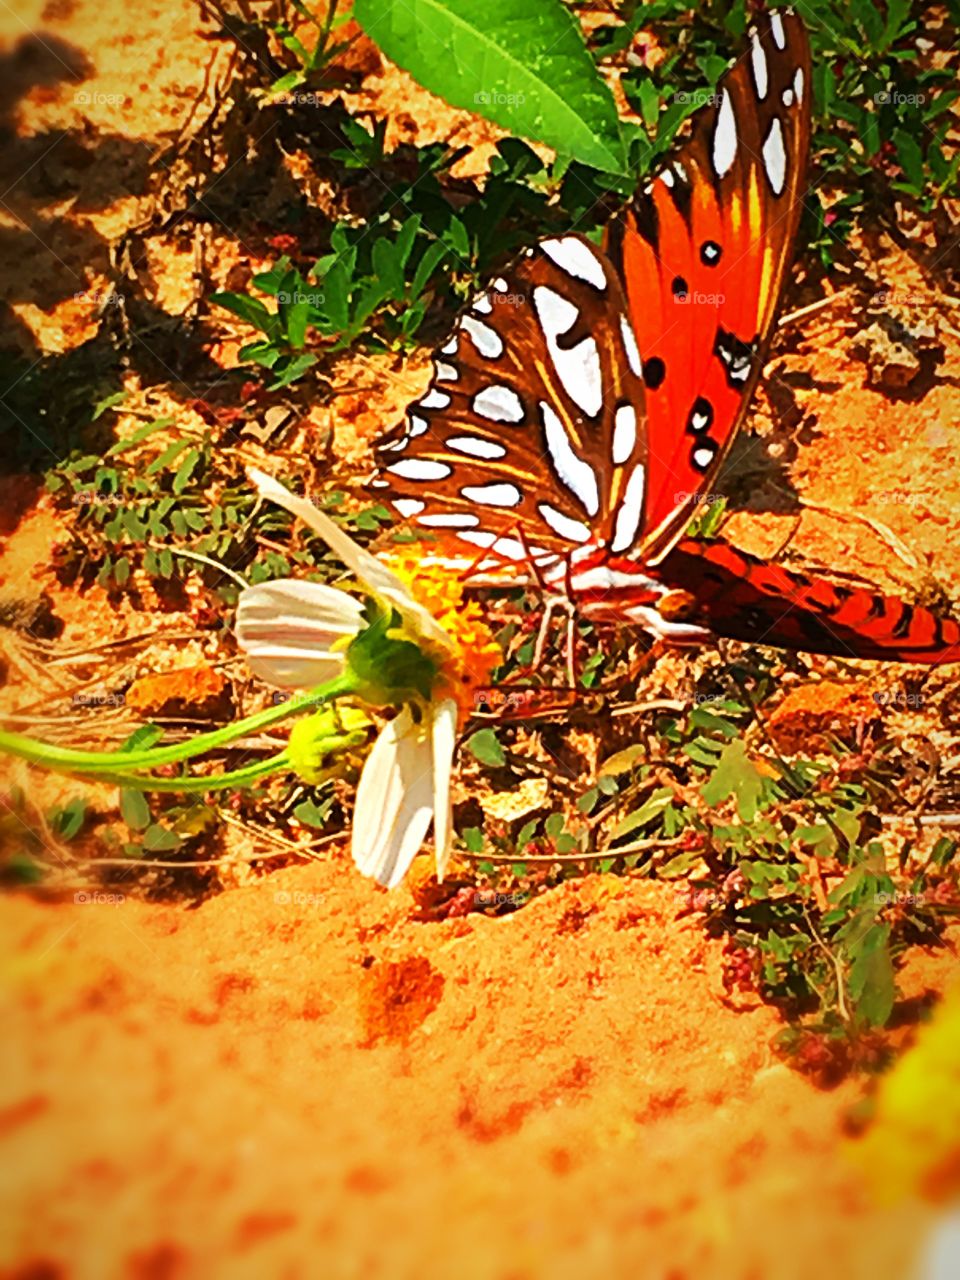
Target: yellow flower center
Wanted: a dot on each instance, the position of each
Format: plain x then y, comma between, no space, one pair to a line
475,651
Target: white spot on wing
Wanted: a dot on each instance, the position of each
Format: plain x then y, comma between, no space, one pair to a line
624,434
445,372
480,539
779,35
787,97
487,341
482,304
420,469
501,285
418,426
435,400
667,178
510,548
449,520
703,456
498,404
725,137
631,509
576,474
492,495
572,530
775,157
450,348
759,61
476,446
630,346
409,506
579,367
576,259
798,84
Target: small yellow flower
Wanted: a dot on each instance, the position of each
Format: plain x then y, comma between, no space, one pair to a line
473,653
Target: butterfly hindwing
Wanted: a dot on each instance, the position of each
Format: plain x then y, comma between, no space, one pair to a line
744,598
703,252
530,441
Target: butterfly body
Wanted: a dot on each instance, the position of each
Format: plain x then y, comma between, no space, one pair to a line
584,404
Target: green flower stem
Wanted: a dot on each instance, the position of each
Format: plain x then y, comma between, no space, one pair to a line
194,783
97,763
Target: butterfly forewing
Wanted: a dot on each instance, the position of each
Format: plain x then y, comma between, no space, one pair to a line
589,397
703,252
530,440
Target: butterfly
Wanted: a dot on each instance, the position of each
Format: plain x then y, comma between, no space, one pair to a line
585,402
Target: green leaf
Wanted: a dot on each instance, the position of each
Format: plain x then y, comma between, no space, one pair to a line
158,839
168,456
68,820
910,159
293,370
250,309
588,800
312,814
735,775
146,736
521,63
134,809
473,839
553,826
485,747
102,406
623,761
527,832
185,470
681,865
654,807
872,981
138,436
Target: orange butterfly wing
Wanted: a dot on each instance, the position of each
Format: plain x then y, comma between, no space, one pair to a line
703,254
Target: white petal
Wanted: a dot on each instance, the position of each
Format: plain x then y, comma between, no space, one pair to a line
394,801
287,631
371,572
444,737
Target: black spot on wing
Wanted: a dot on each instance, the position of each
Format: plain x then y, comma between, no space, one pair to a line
654,372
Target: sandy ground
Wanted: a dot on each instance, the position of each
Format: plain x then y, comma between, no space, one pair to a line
300,1077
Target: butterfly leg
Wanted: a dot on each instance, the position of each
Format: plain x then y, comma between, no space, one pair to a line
553,604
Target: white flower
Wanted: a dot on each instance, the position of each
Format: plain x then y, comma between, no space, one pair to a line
295,635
